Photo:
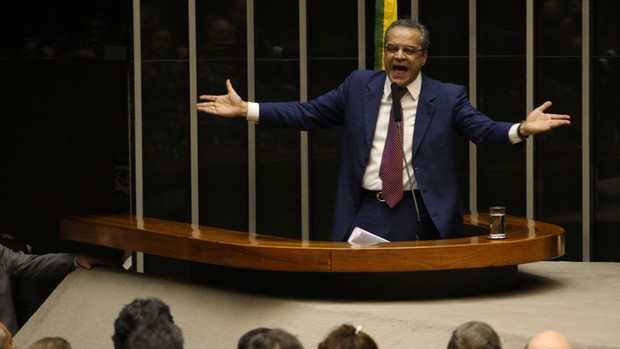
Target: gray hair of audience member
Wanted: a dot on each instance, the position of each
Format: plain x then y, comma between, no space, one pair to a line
140,312
474,335
413,24
274,339
244,340
158,335
50,343
347,336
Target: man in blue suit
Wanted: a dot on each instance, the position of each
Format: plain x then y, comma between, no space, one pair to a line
433,114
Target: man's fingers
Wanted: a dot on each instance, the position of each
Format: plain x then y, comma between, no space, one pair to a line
545,106
229,87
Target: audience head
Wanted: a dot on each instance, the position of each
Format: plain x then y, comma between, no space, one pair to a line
348,337
274,339
6,338
139,313
549,340
244,340
474,335
158,335
50,343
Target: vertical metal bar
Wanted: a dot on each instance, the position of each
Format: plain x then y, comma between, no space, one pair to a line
473,96
193,113
415,9
361,34
585,133
251,127
303,137
529,105
137,97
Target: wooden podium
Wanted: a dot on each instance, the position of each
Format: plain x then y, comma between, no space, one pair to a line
469,265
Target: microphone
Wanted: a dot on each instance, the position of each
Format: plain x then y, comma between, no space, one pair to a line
396,102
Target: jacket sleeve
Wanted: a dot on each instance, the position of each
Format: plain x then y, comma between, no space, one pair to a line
41,267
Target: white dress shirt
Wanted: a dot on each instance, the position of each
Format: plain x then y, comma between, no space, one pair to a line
409,103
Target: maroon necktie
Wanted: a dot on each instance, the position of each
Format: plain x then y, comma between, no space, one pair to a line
391,170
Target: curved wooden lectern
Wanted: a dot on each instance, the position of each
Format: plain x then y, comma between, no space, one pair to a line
434,267
527,241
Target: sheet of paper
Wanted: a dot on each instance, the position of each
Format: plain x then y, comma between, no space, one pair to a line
361,235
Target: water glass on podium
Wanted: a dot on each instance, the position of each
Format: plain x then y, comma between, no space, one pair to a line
497,219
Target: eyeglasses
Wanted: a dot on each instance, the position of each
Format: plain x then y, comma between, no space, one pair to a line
407,50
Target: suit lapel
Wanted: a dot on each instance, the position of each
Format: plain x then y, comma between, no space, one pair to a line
371,102
425,112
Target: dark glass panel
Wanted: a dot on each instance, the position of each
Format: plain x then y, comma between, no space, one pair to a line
276,30
501,171
163,30
558,193
75,29
64,115
501,96
501,27
222,143
332,57
606,129
558,165
557,27
165,132
447,21
165,114
278,178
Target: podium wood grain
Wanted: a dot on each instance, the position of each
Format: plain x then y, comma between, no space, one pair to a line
528,241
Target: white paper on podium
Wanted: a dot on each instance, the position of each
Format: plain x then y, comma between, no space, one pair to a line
361,235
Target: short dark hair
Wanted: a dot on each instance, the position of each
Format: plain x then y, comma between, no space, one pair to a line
347,336
274,339
244,340
411,23
158,335
140,312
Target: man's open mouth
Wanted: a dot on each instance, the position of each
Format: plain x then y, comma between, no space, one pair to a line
399,69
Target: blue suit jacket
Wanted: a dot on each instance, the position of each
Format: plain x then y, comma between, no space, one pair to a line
443,113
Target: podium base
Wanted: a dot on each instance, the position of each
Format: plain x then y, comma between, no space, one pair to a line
368,286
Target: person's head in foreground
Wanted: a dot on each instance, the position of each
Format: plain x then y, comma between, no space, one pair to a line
549,340
474,335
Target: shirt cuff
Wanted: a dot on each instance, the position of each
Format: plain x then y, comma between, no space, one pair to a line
513,135
253,112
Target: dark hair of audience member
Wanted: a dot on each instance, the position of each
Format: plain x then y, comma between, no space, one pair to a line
244,340
474,335
50,343
140,312
158,335
348,337
274,339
